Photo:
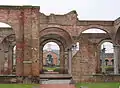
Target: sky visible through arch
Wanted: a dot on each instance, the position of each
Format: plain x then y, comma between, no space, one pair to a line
86,9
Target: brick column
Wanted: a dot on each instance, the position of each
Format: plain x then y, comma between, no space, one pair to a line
41,59
27,41
66,60
116,53
35,42
70,60
97,54
20,46
19,57
103,60
62,60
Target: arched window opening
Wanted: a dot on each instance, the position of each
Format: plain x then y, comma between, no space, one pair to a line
4,25
7,40
51,57
107,57
94,30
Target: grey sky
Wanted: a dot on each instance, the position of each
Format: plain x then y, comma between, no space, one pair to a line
86,9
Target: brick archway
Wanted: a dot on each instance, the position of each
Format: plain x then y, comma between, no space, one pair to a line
61,37
65,37
62,50
98,52
6,52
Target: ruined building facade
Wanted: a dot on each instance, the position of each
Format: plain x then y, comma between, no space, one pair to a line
31,30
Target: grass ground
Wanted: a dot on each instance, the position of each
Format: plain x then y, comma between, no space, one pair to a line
19,86
50,68
98,85
85,85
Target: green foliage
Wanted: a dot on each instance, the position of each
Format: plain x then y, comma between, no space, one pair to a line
50,68
19,85
65,71
98,85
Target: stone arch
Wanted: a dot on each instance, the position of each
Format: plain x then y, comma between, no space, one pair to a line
117,37
61,41
98,51
104,40
5,48
62,49
13,35
95,27
116,52
57,31
6,53
12,19
51,40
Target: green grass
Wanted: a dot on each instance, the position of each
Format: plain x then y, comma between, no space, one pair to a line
50,68
98,85
19,85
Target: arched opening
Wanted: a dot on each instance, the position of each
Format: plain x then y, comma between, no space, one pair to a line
7,42
51,57
117,52
117,37
4,25
107,57
93,30
95,36
63,39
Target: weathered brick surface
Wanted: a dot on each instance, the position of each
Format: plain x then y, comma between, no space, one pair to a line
33,29
84,62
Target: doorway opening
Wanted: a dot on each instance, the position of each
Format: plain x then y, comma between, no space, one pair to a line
51,58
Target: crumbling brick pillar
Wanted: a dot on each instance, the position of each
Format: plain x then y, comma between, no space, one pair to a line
62,60
84,62
41,59
19,57
20,46
66,61
116,59
27,41
35,42
70,59
97,53
31,40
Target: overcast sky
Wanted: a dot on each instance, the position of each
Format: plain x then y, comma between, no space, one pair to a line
86,9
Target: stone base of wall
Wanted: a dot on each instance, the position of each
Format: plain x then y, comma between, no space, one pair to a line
106,78
10,79
98,78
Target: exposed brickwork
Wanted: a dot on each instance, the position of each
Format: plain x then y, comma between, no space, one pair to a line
33,29
84,62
